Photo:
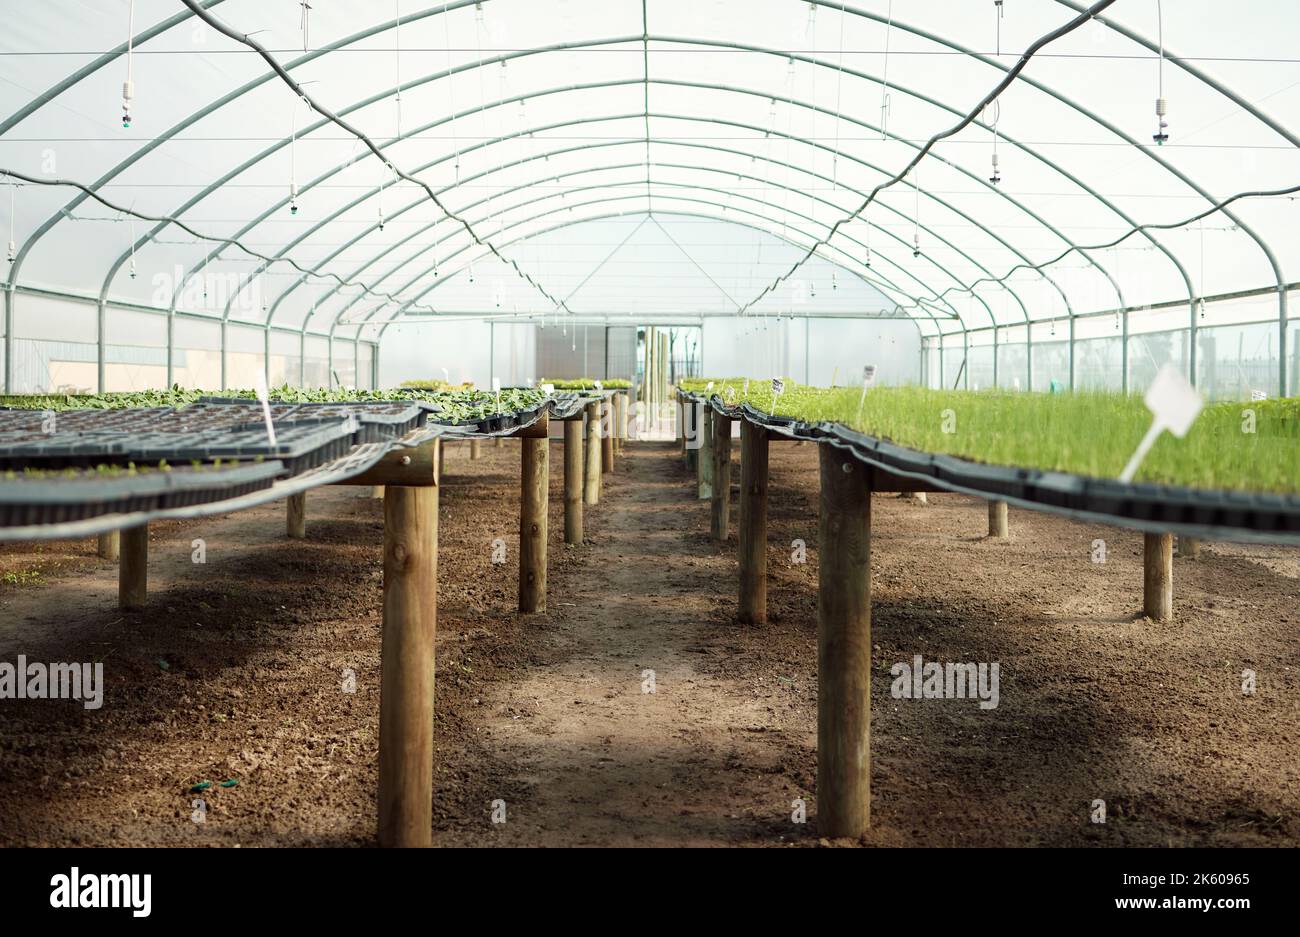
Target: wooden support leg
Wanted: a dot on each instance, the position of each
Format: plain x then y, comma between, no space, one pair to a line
133,568
573,482
683,425
591,475
1189,547
474,449
1158,576
998,520
917,496
534,486
496,442
442,461
843,647
296,516
607,435
109,545
721,478
376,491
407,666
704,458
752,609
620,421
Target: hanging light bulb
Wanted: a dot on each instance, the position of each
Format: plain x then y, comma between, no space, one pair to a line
868,257
997,176
1162,106
293,198
12,254
128,86
916,245
1200,305
834,285
132,273
471,273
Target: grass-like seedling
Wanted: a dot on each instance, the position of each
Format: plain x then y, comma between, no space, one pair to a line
1253,446
585,383
456,405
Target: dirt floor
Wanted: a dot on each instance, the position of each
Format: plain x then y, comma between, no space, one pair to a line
236,670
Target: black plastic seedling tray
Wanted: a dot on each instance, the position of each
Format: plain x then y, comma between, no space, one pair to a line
300,444
26,501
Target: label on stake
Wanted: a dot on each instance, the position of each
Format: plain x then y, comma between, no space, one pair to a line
1174,406
263,397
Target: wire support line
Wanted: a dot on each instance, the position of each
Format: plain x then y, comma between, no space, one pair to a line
121,210
197,9
1011,75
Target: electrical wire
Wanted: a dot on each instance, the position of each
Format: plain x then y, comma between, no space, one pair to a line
921,153
232,242
279,69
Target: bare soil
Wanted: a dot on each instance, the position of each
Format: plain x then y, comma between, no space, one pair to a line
236,671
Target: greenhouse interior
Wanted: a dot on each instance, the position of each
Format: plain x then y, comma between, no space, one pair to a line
713,401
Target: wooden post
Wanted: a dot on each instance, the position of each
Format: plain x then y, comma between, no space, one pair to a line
704,458
533,488
620,421
998,520
496,442
407,666
607,435
442,460
573,482
376,491
721,478
591,478
917,496
1189,547
1158,576
296,516
474,450
752,609
133,567
109,545
843,647
691,436
682,426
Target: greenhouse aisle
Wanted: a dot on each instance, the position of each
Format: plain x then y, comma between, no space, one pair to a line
643,731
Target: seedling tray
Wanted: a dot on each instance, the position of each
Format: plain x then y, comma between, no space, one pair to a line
54,500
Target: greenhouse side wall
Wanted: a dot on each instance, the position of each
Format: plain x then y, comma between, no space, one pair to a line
50,353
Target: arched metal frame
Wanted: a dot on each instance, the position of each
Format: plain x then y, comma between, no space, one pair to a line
645,38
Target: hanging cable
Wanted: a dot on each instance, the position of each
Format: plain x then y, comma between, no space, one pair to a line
12,253
884,78
131,223
397,37
128,87
1011,75
302,22
1162,107
916,216
293,155
997,102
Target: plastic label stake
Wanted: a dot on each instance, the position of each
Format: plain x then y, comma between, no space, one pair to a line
548,389
263,397
1174,406
868,378
778,387
496,389
598,385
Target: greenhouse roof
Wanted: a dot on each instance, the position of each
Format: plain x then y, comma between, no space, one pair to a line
968,164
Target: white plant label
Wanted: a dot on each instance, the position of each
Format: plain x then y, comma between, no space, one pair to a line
548,389
1259,395
599,387
709,386
1174,406
868,378
264,398
778,388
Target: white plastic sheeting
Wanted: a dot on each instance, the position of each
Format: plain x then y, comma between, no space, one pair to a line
778,116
